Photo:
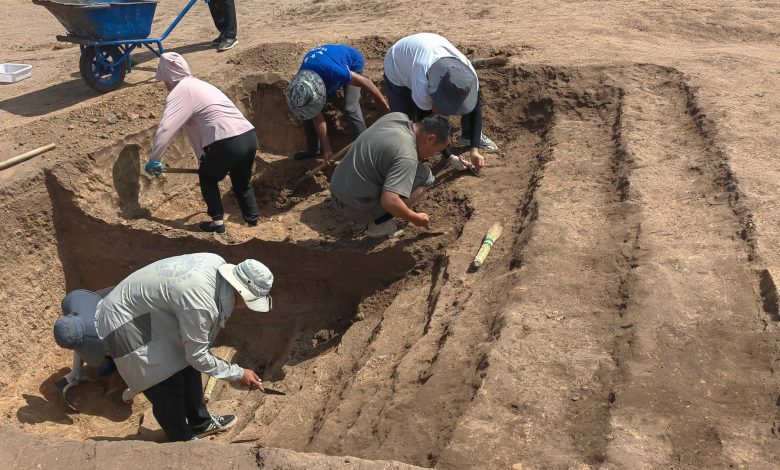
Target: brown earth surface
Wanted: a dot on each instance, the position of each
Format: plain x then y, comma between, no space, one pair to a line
627,317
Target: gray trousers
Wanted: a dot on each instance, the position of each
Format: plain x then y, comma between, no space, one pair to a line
354,120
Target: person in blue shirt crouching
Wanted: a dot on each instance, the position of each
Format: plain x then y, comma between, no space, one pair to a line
326,69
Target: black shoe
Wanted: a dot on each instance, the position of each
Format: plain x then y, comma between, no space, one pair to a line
217,424
305,154
207,227
217,40
251,223
227,43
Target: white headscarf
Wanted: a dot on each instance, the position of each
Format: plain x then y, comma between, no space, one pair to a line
172,69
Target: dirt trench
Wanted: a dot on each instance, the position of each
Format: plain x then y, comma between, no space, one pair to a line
611,325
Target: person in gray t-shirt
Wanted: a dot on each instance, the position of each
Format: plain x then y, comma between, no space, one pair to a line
382,175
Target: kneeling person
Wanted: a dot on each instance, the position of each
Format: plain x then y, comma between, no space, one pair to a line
383,175
75,330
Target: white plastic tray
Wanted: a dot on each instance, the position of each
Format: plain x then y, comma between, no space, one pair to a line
11,73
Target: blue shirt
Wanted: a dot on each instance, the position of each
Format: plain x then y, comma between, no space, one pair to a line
334,63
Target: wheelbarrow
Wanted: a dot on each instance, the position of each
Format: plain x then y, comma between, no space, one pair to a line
107,31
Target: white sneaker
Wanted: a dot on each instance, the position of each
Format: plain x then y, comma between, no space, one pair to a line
358,227
386,229
485,143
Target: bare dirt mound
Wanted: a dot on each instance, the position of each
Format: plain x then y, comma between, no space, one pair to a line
611,325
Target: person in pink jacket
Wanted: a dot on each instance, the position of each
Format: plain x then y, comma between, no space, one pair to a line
223,140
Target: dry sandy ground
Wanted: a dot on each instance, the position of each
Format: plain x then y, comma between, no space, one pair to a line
628,318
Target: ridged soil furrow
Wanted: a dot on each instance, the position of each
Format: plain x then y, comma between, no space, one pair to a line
544,396
694,359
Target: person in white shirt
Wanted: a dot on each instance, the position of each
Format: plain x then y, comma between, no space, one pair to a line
424,74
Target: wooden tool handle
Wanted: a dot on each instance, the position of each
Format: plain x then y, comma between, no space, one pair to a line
26,156
180,170
324,165
490,61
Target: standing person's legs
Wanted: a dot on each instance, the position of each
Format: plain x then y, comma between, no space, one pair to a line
230,30
170,407
352,109
217,14
234,156
194,404
213,169
241,175
312,141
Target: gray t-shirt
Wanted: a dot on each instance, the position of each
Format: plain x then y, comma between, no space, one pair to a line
383,158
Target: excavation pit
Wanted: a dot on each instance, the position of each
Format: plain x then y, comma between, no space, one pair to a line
366,338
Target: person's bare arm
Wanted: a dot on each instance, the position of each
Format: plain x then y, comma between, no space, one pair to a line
395,205
322,132
363,82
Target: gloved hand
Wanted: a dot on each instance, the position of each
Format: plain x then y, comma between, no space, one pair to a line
153,168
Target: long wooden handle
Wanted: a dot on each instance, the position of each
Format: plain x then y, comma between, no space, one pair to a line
324,165
180,170
490,61
26,156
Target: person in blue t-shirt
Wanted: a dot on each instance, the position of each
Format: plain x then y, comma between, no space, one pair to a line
324,71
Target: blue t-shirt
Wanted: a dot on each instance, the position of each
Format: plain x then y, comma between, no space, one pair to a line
334,64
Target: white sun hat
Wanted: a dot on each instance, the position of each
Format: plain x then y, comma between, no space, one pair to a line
253,280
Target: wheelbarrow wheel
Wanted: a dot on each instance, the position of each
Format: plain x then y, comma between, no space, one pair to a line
99,76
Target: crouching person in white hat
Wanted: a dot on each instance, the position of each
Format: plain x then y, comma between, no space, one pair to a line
159,322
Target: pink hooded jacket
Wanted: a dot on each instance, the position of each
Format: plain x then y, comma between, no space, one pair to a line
205,113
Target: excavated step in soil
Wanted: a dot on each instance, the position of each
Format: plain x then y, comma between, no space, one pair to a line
619,320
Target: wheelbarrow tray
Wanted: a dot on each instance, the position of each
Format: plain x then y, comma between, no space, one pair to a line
103,20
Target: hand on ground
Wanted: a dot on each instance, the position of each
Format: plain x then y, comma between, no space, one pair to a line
422,220
477,160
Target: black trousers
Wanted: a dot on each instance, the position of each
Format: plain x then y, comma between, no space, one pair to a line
224,14
354,115
178,405
400,100
234,156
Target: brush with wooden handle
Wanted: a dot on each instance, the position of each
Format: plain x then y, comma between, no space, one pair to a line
497,61
487,243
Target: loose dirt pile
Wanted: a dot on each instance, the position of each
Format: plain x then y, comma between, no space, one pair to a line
620,321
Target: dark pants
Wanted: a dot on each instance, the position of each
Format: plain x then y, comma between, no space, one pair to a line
400,100
224,14
178,405
355,120
234,156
